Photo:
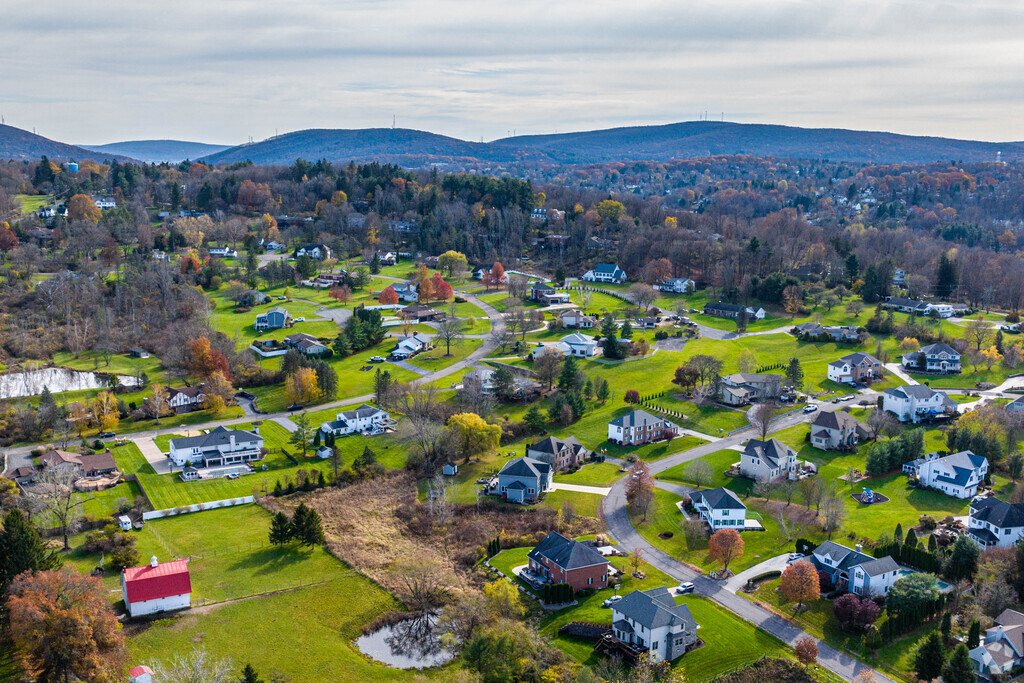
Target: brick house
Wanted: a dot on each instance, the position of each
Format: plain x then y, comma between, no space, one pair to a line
561,560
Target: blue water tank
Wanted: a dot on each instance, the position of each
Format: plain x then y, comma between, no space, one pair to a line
73,167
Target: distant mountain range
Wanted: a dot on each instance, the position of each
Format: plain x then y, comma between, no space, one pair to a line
637,143
157,151
16,143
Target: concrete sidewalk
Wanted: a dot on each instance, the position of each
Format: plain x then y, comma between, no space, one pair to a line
581,489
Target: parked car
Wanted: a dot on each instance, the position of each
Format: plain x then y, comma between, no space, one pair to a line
685,587
106,435
846,398
694,310
377,359
810,408
611,601
293,407
281,298
794,557
300,319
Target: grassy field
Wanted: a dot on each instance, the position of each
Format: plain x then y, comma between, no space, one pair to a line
592,474
436,359
31,203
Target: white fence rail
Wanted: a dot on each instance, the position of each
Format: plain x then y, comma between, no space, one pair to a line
185,509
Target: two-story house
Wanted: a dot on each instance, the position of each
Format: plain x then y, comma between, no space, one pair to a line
993,522
651,621
856,368
364,419
837,430
523,480
853,570
676,285
558,559
957,475
916,402
576,319
562,454
406,291
274,319
1002,648
639,427
741,388
548,295
217,447
720,508
933,358
605,272
186,398
315,251
767,460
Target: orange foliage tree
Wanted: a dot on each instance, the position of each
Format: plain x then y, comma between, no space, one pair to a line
203,360
800,584
8,240
724,546
342,294
426,291
388,297
495,277
81,207
63,627
806,650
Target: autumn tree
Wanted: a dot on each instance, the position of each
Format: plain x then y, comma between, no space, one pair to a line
343,294
81,207
388,297
495,277
640,488
453,263
63,626
799,583
978,332
203,360
806,650
724,546
442,290
472,435
104,411
426,291
301,386
548,365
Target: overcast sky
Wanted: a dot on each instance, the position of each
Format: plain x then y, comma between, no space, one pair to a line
95,71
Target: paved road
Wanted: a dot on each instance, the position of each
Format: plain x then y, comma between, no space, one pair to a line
619,526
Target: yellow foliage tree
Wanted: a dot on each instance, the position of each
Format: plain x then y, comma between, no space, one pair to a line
472,435
104,411
301,387
990,356
910,344
81,207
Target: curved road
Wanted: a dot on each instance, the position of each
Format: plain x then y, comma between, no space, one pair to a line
619,526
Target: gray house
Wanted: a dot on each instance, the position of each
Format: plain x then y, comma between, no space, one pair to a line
274,319
652,621
523,480
562,454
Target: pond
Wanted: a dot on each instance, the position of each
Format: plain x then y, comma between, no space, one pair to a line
32,383
407,644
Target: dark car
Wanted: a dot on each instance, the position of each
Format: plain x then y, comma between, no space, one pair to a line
293,407
106,435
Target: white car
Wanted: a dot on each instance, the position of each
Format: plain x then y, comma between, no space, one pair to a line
377,359
685,587
810,408
611,601
300,320
793,557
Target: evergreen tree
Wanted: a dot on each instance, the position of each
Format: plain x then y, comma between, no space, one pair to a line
898,534
280,529
588,389
963,559
365,459
307,526
609,332
375,264
959,668
568,380
627,330
932,543
947,625
321,481
603,390
930,657
911,541
795,373
278,489
22,549
946,277
249,675
534,419
340,346
974,635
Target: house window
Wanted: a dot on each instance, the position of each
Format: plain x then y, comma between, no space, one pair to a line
590,581
655,646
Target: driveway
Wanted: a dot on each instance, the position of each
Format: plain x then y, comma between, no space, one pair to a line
777,563
897,369
286,422
153,455
598,490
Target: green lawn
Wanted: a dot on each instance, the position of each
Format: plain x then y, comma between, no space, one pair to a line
120,364
592,474
101,504
720,462
585,504
31,203
706,419
436,359
327,618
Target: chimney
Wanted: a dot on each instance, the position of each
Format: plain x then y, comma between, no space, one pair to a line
152,561
859,548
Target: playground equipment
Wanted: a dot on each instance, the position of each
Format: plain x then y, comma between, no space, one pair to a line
867,497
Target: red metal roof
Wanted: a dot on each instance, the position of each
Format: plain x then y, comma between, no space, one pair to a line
139,670
152,583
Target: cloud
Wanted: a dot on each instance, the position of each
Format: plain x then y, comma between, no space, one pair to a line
222,71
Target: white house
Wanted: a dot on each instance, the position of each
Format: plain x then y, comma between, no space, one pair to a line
523,480
605,272
933,358
1002,648
899,278
140,674
226,252
406,291
560,347
651,620
156,587
219,446
273,246
915,402
186,398
677,285
104,202
957,475
992,522
364,419
720,508
767,460
724,310
853,570
580,345
1016,405
315,251
410,346
575,319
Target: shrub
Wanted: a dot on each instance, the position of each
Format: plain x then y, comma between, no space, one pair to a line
632,396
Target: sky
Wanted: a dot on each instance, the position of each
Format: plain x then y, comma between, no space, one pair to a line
222,71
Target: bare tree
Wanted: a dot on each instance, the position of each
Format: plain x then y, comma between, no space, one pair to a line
196,666
833,512
586,296
518,286
157,403
500,336
812,490
765,488
55,493
881,423
441,498
640,488
472,398
762,417
419,583
548,365
787,489
699,472
643,295
450,329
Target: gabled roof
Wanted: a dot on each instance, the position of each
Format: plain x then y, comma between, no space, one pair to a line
553,445
54,457
882,565
962,464
654,608
997,512
835,420
543,287
918,391
363,411
637,418
152,583
859,357
216,437
98,461
935,349
752,378
771,451
566,553
607,268
718,499
525,467
844,558
578,339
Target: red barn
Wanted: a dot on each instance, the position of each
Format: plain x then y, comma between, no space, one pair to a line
157,587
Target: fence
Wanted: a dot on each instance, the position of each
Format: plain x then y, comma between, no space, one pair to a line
198,507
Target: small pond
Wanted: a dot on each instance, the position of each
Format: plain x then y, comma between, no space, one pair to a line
31,383
406,644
